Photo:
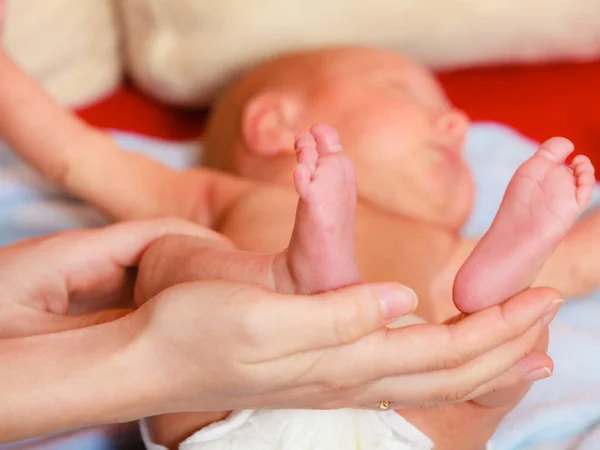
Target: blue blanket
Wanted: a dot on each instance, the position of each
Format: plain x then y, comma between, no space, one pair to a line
30,207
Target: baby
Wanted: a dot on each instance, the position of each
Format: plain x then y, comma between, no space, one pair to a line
397,126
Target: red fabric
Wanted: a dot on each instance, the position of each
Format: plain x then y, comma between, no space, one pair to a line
128,109
540,101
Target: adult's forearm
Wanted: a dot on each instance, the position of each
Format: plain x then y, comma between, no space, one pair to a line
63,381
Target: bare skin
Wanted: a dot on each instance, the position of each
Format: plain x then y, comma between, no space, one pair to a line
320,255
256,214
324,180
541,186
542,203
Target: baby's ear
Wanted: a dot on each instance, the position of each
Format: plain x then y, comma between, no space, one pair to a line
269,123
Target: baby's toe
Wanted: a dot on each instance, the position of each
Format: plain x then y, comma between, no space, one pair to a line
302,180
327,139
556,149
581,164
585,182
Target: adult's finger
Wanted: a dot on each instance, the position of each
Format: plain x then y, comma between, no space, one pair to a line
123,242
369,396
534,367
284,325
428,347
80,262
457,384
499,397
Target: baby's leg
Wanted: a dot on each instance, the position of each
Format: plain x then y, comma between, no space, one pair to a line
321,252
542,202
320,255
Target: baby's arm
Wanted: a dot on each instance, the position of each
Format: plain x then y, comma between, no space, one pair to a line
86,162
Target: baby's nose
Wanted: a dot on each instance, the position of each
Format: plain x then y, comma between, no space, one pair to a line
453,125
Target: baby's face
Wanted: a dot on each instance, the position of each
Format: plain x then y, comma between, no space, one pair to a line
402,134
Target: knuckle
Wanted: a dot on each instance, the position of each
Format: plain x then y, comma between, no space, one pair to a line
337,384
247,375
338,393
343,398
455,352
463,343
327,380
249,325
452,361
456,393
501,320
460,387
428,404
348,320
525,343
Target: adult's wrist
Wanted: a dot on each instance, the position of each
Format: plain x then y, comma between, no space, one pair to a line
63,381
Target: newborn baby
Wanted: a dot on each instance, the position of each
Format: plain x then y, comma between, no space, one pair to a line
414,193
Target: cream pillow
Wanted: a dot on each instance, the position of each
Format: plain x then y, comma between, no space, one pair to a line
182,51
70,46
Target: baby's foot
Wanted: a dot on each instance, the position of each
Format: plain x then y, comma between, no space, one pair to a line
542,202
321,252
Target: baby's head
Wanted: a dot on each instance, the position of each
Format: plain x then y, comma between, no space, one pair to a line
394,119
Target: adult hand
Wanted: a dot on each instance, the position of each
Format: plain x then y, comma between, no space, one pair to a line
214,346
218,345
43,279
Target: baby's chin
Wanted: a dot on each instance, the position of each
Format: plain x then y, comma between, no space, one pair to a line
461,205
452,202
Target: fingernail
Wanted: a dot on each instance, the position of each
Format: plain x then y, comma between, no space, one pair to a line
538,374
551,311
395,300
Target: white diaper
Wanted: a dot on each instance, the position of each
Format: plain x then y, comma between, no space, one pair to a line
341,429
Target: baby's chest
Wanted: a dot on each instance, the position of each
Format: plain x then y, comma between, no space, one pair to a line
387,248
392,249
